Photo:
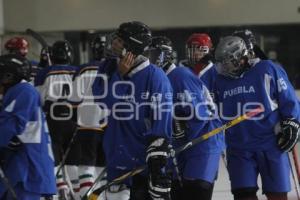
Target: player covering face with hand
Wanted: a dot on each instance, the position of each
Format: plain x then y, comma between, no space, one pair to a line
135,139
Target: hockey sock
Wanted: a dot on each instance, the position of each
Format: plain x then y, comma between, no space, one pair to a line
98,171
86,178
60,182
72,171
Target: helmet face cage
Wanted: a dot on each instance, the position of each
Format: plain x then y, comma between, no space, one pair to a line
195,53
230,69
231,57
161,56
161,51
98,47
62,52
197,46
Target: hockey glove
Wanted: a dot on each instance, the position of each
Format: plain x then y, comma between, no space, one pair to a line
44,57
159,184
288,135
6,152
15,144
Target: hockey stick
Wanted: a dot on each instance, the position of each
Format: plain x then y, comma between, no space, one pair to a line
6,183
64,158
296,162
224,159
252,113
297,169
294,177
41,40
67,180
97,180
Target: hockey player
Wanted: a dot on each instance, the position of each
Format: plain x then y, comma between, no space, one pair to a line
199,165
199,59
198,53
89,134
254,147
139,126
26,155
55,86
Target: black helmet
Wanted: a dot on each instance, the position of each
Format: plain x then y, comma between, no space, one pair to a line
247,36
14,68
251,43
136,36
62,52
98,46
161,51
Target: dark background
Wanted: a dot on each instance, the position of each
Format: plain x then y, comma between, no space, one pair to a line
283,39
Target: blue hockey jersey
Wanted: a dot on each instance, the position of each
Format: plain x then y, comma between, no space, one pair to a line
265,84
32,164
141,107
190,90
208,76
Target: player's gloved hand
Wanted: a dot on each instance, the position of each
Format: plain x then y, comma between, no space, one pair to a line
44,57
159,184
15,144
6,152
288,135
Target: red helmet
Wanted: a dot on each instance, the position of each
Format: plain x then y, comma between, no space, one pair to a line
197,46
17,45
